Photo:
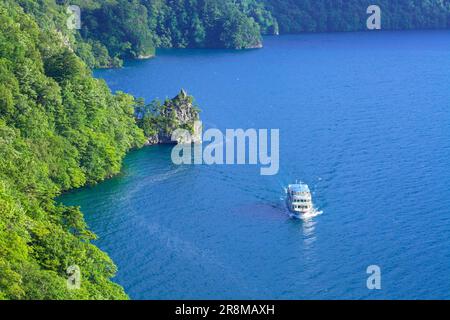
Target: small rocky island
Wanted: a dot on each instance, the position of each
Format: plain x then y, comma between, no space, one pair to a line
160,120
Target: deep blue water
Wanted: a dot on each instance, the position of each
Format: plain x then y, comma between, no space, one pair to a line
364,119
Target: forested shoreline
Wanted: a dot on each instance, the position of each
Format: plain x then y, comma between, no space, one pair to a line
61,129
297,16
113,30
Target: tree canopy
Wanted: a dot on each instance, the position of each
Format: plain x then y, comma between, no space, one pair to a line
59,129
62,129
295,16
112,30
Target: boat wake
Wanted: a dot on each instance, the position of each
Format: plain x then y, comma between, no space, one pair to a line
306,216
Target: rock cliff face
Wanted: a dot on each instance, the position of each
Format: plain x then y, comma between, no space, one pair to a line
177,113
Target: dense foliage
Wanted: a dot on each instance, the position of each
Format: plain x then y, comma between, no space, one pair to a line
59,129
112,30
162,119
208,23
296,16
135,27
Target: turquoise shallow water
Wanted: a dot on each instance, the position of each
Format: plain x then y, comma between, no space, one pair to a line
364,119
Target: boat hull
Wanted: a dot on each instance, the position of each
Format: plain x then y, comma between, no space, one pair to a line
299,201
295,213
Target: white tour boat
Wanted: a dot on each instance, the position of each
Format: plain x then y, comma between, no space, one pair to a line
299,200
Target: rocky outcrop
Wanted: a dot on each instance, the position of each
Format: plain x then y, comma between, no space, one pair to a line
175,114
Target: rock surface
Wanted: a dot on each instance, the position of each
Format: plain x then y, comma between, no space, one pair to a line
178,115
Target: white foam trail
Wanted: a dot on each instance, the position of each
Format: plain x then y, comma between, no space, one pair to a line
314,213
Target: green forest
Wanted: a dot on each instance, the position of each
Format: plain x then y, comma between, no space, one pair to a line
113,30
295,16
61,129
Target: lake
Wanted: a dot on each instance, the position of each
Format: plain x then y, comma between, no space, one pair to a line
364,119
